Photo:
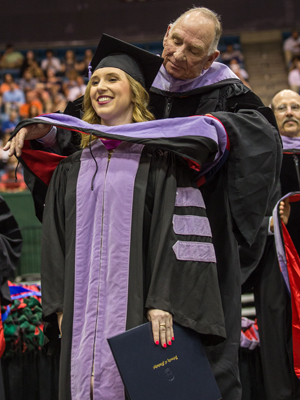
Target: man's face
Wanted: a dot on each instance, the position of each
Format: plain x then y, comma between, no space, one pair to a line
186,46
287,112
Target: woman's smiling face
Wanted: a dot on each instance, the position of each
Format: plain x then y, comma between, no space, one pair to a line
111,96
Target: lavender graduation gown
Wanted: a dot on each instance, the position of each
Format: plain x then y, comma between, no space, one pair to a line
125,235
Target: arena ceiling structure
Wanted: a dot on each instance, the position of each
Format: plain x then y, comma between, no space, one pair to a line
83,21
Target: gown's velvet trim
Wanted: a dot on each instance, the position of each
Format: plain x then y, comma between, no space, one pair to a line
191,225
103,233
193,251
189,197
197,138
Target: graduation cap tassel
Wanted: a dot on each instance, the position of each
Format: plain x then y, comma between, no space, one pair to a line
90,70
90,147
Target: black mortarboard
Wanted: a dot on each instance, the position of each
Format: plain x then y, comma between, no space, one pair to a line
140,64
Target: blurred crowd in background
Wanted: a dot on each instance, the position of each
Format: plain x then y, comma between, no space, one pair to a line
33,82
30,86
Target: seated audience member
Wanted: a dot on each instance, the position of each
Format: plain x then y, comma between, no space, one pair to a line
240,72
51,62
69,62
51,79
294,78
31,63
70,82
42,94
11,58
59,102
231,54
8,78
27,82
13,97
294,61
8,181
78,90
53,90
82,66
34,111
31,100
70,79
291,46
9,125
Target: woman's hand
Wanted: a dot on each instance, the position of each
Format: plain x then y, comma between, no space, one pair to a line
162,326
30,132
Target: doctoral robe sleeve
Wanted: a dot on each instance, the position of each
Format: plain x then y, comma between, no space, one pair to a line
66,143
253,169
53,247
181,260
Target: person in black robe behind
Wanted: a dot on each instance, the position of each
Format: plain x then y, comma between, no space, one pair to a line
263,276
272,298
10,252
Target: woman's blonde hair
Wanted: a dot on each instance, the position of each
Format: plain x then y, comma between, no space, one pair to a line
140,110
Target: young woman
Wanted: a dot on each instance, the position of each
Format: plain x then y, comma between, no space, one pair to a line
125,233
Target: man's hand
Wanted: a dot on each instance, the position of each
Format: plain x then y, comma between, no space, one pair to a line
284,213
30,132
59,321
285,210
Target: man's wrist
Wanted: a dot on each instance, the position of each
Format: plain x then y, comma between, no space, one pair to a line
49,140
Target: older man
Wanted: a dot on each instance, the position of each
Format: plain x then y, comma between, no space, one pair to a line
236,195
286,107
189,83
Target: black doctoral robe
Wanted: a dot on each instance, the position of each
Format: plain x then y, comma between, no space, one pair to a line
155,218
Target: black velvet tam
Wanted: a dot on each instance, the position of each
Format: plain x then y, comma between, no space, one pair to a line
140,64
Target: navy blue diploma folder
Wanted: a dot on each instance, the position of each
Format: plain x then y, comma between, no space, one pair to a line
150,372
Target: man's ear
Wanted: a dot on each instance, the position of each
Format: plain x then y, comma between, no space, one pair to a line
211,59
167,33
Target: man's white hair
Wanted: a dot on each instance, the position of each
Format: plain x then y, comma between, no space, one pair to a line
211,15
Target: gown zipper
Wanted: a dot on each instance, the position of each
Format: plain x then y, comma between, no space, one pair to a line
169,101
94,346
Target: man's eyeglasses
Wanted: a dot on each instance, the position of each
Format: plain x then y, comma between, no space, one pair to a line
283,108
